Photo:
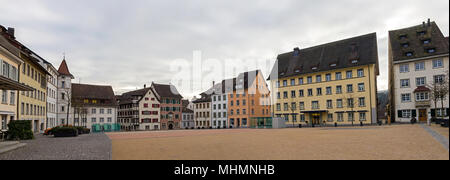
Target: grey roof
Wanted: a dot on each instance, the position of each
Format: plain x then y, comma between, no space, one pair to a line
127,98
320,58
414,37
167,91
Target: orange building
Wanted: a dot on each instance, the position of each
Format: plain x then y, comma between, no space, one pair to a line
249,102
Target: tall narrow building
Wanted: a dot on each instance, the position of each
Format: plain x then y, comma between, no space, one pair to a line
418,60
64,86
171,105
333,83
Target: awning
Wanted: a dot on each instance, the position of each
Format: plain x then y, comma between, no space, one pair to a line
8,84
318,111
7,113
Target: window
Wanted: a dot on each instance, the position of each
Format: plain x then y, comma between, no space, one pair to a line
350,103
278,96
309,80
300,81
292,82
329,91
94,111
302,118
426,41
286,107
4,96
360,72
328,77
301,93
404,83
329,104
338,89
405,114
422,96
278,108
109,111
12,98
362,116
349,74
294,118
420,81
102,120
438,63
406,97
362,102
330,118
293,106
439,79
361,87
278,85
431,50
338,76
349,88
285,94
420,66
340,117
319,91
310,92
318,78
405,45
63,96
315,105
404,68
284,83
409,54
102,111
302,105
350,116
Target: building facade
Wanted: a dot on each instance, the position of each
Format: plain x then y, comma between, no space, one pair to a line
202,111
64,114
93,105
334,83
52,90
187,121
219,101
418,59
139,110
10,64
249,102
171,106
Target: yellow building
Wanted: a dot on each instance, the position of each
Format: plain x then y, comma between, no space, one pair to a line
334,83
31,105
9,79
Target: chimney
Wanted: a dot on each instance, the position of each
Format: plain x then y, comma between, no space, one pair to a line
11,31
296,51
429,22
423,24
145,86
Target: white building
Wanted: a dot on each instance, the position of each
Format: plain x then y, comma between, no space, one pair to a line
187,120
64,89
52,91
419,57
94,105
219,106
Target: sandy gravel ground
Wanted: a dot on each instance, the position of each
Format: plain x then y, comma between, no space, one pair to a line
403,142
441,130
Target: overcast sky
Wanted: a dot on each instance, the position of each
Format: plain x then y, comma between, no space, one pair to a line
127,44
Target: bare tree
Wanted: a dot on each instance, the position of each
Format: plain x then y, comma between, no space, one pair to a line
439,91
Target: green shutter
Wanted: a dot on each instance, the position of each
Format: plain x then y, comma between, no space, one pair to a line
414,113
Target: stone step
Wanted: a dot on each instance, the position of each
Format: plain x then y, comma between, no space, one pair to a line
9,146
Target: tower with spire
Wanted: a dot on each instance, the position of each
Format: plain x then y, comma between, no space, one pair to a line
64,94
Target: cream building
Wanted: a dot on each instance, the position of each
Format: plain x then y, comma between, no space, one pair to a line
418,57
333,83
202,111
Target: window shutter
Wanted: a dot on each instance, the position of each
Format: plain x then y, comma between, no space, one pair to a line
447,112
433,112
400,114
414,113
1,67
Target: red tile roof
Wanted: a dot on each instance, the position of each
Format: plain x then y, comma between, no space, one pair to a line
63,69
422,89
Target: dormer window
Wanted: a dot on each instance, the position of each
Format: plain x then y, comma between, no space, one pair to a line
409,54
333,65
421,33
426,41
405,45
403,36
314,68
431,50
354,61
282,74
297,71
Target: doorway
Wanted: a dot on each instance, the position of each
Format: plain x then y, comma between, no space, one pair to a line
423,115
170,126
315,119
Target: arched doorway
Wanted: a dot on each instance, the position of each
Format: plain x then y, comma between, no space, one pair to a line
170,126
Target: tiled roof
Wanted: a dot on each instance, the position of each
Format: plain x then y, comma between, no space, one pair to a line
127,98
96,92
325,57
166,91
421,89
64,70
411,40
